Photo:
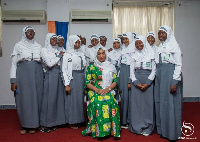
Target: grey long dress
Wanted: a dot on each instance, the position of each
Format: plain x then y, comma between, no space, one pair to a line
29,93
52,113
141,106
168,106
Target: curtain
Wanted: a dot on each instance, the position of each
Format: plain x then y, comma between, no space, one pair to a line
141,19
51,27
62,29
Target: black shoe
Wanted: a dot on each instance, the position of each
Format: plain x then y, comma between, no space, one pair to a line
44,129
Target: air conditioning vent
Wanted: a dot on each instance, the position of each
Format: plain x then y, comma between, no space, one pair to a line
38,16
91,16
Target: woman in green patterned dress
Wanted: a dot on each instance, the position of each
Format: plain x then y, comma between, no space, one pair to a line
103,111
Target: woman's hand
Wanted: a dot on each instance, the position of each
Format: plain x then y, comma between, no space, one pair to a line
173,89
129,86
14,87
62,53
139,86
67,89
144,87
105,91
90,46
98,91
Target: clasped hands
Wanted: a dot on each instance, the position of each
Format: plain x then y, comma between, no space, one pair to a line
142,87
102,91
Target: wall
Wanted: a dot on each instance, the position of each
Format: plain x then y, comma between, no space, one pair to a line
187,19
88,29
56,11
11,34
186,30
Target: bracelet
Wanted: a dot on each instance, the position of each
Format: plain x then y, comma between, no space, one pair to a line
109,89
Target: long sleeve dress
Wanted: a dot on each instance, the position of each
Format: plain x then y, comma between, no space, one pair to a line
103,111
26,71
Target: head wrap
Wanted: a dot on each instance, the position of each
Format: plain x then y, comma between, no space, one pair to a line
103,37
60,37
153,47
108,69
24,39
47,42
145,53
170,43
71,42
131,47
135,34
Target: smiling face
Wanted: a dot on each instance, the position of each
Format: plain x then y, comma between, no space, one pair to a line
162,36
151,39
101,55
60,42
116,45
103,41
53,41
139,45
126,41
30,34
77,44
94,41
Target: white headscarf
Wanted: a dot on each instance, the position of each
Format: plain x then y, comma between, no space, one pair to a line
71,42
26,45
115,54
153,47
170,43
25,41
131,47
108,69
58,47
145,53
97,37
47,42
134,34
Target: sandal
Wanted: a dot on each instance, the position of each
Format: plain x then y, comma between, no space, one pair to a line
32,131
73,126
23,131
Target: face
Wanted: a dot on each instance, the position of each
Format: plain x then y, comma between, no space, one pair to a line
83,41
77,44
103,41
53,41
151,39
121,39
94,41
30,34
162,36
101,55
60,42
116,45
139,44
126,41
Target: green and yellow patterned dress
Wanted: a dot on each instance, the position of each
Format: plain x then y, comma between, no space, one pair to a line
103,111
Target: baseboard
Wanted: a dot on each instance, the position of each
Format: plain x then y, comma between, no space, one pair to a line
185,99
191,99
7,106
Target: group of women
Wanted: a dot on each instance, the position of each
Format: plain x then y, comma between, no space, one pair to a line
49,83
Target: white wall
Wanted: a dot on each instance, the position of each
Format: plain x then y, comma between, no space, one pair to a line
11,34
186,30
87,30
